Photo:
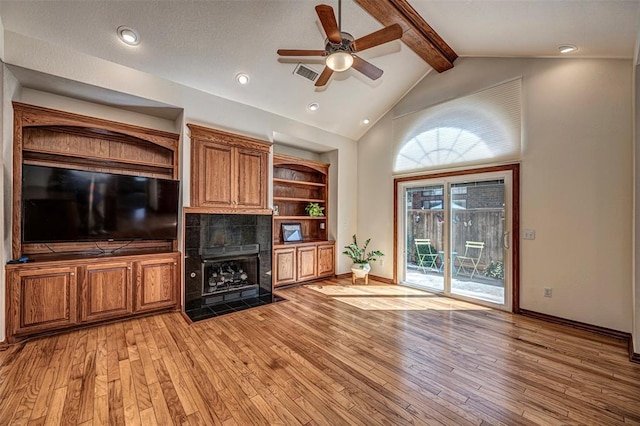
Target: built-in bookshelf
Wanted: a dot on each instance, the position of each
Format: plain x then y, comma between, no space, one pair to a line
296,183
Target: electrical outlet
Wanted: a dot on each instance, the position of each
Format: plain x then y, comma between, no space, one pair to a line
529,234
548,292
381,262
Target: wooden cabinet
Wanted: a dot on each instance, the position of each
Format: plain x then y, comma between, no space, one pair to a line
155,283
307,263
41,299
295,263
56,295
106,292
285,266
326,260
228,171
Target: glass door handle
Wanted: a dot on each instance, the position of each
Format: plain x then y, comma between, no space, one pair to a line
505,240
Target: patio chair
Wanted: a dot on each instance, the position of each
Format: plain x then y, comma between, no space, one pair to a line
426,254
471,257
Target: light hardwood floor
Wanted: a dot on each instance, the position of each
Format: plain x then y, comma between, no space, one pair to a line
329,355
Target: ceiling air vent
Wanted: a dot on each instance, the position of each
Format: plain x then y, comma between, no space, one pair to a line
306,72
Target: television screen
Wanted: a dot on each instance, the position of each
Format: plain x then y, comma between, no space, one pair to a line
61,205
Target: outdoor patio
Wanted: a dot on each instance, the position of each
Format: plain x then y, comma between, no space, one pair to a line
478,287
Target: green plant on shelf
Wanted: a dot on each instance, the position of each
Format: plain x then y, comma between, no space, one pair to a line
314,210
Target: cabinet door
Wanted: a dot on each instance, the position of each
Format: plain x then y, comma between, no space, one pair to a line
285,266
326,260
107,291
43,300
156,283
252,178
307,263
214,184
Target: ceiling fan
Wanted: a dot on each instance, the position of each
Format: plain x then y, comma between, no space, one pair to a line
341,48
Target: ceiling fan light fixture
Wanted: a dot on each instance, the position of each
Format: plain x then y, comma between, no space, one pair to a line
128,35
567,48
339,61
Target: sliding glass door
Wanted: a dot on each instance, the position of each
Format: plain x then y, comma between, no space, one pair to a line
455,235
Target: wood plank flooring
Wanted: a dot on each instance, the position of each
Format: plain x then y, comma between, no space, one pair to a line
373,355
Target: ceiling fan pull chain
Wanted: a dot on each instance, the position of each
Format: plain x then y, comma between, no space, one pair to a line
340,16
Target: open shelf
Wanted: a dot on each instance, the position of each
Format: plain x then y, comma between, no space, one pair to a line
297,182
303,200
299,218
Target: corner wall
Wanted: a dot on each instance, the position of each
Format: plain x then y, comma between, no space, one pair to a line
576,179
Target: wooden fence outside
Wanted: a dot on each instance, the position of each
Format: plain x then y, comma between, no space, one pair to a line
485,225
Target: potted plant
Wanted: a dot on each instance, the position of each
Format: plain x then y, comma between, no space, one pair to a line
360,257
314,210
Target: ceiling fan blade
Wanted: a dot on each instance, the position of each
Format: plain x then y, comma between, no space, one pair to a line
324,77
385,35
366,68
329,23
300,52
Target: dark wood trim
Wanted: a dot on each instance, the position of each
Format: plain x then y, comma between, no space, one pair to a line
347,276
515,238
219,210
381,279
395,231
603,331
515,218
417,34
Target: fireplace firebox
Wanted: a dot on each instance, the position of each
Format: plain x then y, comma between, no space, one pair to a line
230,273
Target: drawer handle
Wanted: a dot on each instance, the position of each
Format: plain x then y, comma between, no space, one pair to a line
72,273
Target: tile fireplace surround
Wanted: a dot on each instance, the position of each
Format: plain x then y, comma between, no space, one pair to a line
225,236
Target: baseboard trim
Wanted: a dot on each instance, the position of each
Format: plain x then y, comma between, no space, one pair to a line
381,279
371,277
603,331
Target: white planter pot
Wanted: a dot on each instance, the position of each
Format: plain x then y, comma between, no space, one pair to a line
360,270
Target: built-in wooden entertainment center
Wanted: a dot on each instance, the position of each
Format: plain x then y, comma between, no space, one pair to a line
70,284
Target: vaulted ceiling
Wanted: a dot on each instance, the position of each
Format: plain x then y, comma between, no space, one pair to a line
205,44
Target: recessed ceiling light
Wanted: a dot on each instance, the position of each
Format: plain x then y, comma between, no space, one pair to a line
567,48
242,79
365,121
128,35
313,106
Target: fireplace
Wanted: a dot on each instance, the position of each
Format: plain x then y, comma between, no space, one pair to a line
227,263
230,273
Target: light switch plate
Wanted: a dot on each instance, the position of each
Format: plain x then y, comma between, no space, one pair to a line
529,234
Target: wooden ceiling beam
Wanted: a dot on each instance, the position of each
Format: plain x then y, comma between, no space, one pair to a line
417,34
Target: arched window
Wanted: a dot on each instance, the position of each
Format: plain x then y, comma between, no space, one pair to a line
484,127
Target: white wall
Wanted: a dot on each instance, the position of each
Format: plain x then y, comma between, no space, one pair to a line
576,179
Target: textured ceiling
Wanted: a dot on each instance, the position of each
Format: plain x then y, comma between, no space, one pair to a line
204,44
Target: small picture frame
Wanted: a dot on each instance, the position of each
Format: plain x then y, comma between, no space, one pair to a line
291,232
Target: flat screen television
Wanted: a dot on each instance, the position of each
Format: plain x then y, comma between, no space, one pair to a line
66,205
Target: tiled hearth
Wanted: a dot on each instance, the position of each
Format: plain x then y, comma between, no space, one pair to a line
227,263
